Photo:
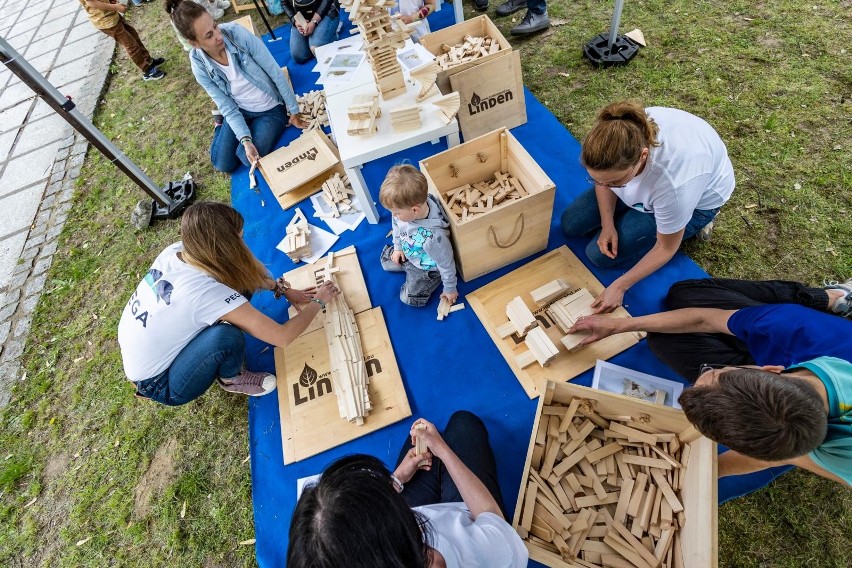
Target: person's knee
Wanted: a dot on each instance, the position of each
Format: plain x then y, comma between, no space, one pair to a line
465,421
599,259
303,57
575,223
225,334
680,294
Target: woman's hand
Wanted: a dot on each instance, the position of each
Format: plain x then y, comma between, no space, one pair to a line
610,298
298,297
430,436
599,327
309,29
326,292
411,463
608,241
296,120
252,154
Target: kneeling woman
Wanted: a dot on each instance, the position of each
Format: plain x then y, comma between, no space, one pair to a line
442,508
183,326
660,176
244,81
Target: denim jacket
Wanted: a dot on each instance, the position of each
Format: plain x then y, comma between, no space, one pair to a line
254,61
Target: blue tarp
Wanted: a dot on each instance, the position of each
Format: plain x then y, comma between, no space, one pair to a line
445,366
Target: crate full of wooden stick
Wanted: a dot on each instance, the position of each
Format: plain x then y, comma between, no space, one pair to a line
613,481
498,200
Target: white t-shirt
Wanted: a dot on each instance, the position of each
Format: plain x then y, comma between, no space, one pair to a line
247,96
690,170
487,542
410,8
171,305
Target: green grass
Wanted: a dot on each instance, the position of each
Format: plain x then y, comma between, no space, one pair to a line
770,77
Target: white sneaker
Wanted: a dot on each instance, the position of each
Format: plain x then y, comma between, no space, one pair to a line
843,306
214,11
249,383
224,4
705,233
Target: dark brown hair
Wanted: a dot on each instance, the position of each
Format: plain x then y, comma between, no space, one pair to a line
183,14
404,187
758,413
212,242
617,139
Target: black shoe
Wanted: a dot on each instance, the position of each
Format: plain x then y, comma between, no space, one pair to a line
510,7
153,74
157,61
531,24
480,5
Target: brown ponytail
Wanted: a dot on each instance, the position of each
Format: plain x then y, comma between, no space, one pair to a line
616,141
183,14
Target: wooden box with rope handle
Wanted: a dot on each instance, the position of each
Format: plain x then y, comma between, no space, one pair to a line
497,198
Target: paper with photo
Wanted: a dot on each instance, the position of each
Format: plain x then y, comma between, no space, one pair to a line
321,242
627,382
347,221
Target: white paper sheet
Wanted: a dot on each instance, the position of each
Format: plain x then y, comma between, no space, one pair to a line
321,242
624,381
349,221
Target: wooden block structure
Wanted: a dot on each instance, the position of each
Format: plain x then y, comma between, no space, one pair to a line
470,49
337,194
470,200
382,36
445,308
566,311
448,106
312,109
426,75
405,118
540,346
520,317
607,490
543,295
297,241
348,370
362,113
420,446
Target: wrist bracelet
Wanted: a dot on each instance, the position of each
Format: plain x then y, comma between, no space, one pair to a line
245,139
320,302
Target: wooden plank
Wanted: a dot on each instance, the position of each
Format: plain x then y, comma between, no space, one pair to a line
663,486
603,452
529,505
647,462
638,493
632,433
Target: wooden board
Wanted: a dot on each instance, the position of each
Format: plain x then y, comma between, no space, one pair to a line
247,23
489,303
699,535
492,95
310,417
349,278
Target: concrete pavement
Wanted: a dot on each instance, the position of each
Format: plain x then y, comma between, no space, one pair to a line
40,155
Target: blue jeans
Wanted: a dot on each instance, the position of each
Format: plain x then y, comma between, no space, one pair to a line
218,351
266,128
637,231
324,33
538,7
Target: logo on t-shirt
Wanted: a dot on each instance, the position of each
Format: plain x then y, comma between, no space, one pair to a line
641,207
162,288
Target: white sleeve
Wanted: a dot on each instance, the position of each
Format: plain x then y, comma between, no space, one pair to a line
499,544
214,301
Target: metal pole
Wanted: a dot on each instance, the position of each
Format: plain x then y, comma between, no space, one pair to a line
265,21
616,21
66,109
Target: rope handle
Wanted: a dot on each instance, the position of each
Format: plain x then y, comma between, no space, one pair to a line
493,234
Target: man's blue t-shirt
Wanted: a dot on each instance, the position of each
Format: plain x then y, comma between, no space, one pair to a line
786,334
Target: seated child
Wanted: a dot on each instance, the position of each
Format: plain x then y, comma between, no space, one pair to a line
421,241
415,12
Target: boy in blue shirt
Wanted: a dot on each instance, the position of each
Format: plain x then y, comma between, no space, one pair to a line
771,366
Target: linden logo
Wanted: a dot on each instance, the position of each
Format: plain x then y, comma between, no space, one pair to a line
479,104
307,155
308,381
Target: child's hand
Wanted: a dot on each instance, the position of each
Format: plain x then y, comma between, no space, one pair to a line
121,8
450,296
398,256
406,19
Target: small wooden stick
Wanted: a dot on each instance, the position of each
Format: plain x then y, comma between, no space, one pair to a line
420,446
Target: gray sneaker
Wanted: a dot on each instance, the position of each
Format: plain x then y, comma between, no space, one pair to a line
249,383
531,24
510,7
842,306
705,233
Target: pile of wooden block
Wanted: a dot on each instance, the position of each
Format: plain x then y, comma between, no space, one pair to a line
297,240
448,106
470,200
382,35
604,490
471,48
337,194
566,311
346,356
312,109
362,113
405,118
445,308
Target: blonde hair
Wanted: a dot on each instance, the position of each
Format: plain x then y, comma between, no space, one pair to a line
616,141
212,243
404,186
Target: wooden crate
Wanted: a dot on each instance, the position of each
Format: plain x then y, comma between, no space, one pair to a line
698,536
478,27
509,232
296,171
